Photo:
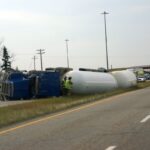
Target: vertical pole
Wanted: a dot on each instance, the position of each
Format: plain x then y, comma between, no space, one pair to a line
105,13
34,58
41,51
67,52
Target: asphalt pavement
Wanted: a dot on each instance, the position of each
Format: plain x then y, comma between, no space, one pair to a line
117,123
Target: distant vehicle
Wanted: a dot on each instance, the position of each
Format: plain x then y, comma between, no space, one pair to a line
141,79
147,76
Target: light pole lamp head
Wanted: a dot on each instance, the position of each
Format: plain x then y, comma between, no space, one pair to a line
66,40
104,13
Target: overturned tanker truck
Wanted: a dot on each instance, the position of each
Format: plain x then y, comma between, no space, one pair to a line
15,85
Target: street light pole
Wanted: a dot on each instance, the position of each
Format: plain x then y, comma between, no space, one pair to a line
107,62
67,52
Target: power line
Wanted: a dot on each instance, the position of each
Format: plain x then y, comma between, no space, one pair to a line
41,52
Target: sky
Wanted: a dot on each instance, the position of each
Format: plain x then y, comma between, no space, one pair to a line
29,25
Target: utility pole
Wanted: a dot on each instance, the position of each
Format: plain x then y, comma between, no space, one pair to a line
105,13
67,52
41,52
34,58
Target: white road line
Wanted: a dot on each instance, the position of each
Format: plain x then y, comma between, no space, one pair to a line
145,119
111,148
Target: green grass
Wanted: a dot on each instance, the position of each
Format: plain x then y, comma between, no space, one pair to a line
21,112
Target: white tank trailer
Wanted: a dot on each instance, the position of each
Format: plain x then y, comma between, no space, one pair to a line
86,82
125,78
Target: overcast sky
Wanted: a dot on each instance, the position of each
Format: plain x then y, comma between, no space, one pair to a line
28,25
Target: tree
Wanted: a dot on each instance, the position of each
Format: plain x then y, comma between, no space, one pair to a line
6,59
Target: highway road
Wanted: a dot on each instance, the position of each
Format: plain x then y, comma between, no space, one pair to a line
118,123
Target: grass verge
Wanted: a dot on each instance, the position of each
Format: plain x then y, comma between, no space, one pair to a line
21,112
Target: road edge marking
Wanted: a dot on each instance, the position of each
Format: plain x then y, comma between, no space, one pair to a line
145,119
111,147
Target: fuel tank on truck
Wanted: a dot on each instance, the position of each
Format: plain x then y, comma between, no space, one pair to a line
125,78
86,82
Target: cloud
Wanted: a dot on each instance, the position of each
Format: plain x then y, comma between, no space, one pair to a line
21,16
140,9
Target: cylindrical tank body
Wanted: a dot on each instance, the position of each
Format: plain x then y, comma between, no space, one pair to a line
86,82
125,78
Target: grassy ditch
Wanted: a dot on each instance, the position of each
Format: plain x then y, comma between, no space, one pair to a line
21,112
